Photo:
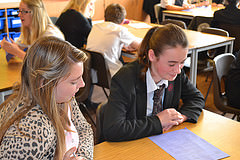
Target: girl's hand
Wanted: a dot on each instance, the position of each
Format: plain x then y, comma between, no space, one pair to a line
70,155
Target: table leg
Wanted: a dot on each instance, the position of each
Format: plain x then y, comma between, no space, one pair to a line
193,67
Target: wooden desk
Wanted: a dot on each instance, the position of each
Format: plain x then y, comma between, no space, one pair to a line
189,14
198,42
9,74
220,131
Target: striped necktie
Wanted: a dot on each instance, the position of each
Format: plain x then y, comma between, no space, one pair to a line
157,100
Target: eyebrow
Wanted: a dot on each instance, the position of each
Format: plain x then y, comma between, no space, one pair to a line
176,61
76,78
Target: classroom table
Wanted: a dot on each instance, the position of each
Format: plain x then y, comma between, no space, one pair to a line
191,13
198,42
218,130
9,74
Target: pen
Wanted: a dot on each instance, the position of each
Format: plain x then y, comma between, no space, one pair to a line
74,155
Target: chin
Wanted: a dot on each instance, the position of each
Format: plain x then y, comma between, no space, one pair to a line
172,78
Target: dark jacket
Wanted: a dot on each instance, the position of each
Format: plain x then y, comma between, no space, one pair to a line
229,15
125,113
75,27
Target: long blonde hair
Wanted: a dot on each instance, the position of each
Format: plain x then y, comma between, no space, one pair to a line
40,21
78,5
47,61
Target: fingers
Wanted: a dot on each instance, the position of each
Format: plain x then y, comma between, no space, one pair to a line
12,40
69,154
169,118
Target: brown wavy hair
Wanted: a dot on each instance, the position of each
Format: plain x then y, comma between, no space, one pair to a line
47,61
159,38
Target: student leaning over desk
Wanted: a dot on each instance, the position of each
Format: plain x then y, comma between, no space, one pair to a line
35,24
110,37
42,119
129,112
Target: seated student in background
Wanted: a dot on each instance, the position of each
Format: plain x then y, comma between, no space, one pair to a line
178,5
42,120
233,83
75,21
229,15
110,37
130,112
35,24
217,3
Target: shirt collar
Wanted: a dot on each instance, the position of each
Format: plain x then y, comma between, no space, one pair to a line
151,85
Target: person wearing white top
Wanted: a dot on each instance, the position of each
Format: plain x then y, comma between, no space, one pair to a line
110,37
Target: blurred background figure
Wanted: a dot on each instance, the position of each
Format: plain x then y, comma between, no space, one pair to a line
35,24
75,21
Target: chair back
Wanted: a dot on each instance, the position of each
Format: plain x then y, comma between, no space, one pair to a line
176,22
54,19
157,8
233,31
216,31
85,91
220,70
98,63
99,122
213,52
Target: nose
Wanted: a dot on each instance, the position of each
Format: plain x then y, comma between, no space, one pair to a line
81,83
177,68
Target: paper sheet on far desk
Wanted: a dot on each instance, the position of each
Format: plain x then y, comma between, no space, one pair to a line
185,145
139,25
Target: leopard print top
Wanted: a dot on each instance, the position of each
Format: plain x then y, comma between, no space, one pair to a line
39,138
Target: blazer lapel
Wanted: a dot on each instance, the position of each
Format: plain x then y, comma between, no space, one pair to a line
168,96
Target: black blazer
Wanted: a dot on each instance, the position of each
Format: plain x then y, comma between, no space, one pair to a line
125,113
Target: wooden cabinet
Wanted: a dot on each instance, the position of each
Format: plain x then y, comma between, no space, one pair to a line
133,8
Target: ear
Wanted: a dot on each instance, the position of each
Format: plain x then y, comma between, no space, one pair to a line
151,55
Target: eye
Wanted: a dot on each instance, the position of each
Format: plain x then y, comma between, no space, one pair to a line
73,83
171,65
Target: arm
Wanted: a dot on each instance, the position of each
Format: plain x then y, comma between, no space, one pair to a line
40,145
85,132
125,114
133,46
179,8
193,101
131,43
12,48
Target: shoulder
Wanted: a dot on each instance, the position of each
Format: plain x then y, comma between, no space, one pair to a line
34,136
52,30
128,74
37,123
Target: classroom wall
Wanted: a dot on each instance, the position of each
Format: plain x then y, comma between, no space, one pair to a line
133,8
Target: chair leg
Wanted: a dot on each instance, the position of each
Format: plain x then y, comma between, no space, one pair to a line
105,92
87,112
238,118
206,78
233,116
205,99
